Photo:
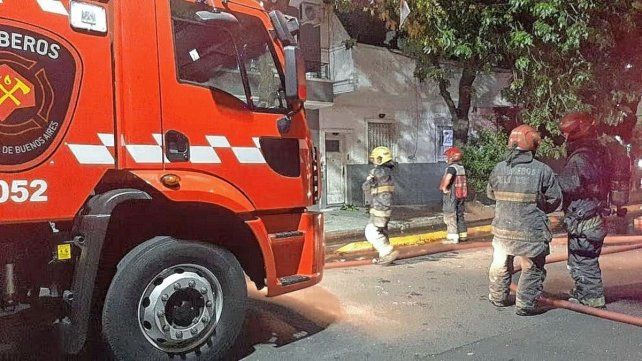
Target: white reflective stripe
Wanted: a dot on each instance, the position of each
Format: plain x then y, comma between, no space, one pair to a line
92,154
146,153
53,6
106,139
158,138
153,153
203,154
218,141
248,155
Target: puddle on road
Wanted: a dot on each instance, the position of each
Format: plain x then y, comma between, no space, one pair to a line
285,319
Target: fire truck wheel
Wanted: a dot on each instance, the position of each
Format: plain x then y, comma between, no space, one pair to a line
172,298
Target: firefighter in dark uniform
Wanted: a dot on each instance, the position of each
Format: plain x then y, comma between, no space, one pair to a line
378,189
585,184
453,186
525,191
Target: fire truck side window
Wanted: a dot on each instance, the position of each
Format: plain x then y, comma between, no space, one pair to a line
237,60
206,56
266,84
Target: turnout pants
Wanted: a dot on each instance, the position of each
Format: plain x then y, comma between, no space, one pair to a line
530,284
454,218
584,250
378,237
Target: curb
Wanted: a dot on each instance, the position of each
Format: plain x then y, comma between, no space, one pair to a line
411,240
355,234
438,235
433,224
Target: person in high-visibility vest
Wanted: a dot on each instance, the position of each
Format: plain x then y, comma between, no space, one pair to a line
453,186
378,190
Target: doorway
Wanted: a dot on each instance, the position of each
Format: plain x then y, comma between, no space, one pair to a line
335,168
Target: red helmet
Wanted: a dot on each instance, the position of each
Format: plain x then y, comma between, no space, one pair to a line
578,125
453,154
524,137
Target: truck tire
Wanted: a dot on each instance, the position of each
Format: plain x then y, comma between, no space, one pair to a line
172,298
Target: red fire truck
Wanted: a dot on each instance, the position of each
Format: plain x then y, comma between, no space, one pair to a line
152,155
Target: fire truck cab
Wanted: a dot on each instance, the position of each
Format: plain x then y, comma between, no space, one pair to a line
153,154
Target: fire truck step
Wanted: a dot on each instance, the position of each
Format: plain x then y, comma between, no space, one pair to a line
290,280
289,234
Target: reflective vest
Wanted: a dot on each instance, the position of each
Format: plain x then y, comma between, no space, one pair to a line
459,186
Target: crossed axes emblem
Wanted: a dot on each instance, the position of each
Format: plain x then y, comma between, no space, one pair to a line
10,94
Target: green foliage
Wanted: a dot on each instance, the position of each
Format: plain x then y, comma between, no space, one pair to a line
349,207
481,154
565,55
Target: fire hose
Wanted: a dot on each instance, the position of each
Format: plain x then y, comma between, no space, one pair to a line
613,244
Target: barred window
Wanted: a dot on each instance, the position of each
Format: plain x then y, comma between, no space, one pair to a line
381,135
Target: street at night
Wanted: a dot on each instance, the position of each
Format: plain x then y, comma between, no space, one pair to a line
432,307
436,308
280,180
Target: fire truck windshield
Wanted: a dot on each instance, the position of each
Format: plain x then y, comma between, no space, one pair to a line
238,60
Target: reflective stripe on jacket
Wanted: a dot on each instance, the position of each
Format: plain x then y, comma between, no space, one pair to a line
525,190
380,186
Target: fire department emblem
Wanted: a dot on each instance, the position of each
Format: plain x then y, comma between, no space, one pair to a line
15,92
38,87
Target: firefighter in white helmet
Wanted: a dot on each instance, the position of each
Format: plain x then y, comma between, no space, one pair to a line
378,189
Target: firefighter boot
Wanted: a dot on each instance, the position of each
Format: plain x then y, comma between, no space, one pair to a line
591,302
502,303
389,258
527,312
451,239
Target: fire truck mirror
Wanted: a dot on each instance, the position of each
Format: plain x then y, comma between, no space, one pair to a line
293,25
217,18
295,85
285,29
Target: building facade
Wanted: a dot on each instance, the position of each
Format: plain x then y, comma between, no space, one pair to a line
378,101
362,96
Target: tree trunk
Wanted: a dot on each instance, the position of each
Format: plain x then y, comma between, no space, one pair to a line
462,123
459,112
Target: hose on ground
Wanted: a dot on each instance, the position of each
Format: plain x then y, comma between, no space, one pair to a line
609,315
613,244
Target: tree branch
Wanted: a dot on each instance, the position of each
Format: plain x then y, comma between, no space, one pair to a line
443,90
468,75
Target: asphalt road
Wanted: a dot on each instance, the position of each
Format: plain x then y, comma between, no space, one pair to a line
427,308
435,308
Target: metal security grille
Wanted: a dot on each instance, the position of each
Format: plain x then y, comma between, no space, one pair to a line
332,145
381,134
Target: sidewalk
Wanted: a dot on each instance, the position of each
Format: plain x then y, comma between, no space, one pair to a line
343,227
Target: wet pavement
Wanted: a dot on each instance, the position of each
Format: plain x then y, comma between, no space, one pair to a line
425,308
435,308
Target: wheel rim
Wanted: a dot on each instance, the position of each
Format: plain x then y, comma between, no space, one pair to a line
180,308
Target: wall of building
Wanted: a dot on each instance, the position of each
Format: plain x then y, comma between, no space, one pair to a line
415,183
376,84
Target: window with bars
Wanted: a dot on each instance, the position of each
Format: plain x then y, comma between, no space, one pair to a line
381,134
